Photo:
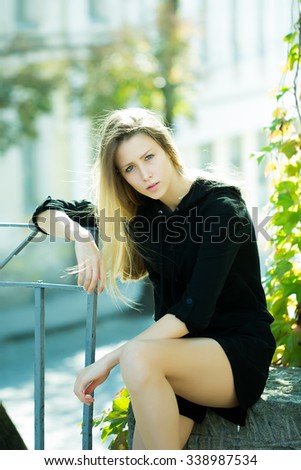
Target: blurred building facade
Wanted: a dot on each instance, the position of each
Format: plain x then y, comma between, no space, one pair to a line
236,44
241,49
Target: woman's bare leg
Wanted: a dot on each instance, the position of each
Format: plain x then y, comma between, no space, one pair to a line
155,370
186,425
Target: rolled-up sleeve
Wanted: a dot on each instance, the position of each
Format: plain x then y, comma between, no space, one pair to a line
226,228
82,212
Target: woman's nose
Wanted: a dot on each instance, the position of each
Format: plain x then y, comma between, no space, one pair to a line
145,174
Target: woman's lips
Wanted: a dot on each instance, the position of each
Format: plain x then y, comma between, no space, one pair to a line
153,187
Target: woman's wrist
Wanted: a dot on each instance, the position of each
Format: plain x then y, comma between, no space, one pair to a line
77,233
112,359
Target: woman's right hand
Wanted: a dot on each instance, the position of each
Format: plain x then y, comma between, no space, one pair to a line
91,269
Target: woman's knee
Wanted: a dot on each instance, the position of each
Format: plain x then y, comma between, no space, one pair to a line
136,363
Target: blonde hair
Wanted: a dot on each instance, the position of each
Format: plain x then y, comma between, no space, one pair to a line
117,201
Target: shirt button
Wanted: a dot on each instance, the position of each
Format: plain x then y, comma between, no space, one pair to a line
189,300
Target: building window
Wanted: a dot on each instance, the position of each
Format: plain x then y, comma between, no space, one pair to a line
27,13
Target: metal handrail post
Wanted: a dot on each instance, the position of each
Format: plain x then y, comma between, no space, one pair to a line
39,368
39,342
23,244
90,343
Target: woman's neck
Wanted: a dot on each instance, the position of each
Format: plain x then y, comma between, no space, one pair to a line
179,189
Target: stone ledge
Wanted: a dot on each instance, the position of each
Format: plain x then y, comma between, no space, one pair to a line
273,423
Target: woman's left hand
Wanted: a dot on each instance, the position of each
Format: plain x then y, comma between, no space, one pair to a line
89,378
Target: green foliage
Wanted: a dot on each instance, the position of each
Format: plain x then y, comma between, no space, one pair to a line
114,422
173,61
152,69
283,277
115,75
25,94
137,69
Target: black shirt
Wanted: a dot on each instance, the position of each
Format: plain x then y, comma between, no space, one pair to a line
202,258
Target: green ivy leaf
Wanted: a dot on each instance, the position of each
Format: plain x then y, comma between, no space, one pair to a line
285,200
289,148
290,37
292,170
286,186
121,441
283,267
293,56
279,307
282,91
114,422
259,156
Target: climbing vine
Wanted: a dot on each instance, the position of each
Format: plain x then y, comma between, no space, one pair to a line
282,154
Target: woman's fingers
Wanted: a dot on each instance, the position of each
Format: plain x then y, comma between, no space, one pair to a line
91,270
82,395
92,276
90,389
87,399
80,275
87,380
95,276
88,277
80,386
102,277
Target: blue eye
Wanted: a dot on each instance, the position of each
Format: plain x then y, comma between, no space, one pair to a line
129,169
149,157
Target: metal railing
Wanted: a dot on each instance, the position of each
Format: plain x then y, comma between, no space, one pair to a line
39,341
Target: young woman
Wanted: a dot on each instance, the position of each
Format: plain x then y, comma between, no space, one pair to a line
211,344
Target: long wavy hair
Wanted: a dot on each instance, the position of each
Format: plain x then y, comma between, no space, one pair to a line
117,201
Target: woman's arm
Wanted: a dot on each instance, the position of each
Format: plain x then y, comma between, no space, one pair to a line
91,270
168,327
90,377
58,224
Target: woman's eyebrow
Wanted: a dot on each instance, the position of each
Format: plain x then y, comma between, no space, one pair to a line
142,156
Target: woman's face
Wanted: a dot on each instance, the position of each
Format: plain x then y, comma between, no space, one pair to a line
145,166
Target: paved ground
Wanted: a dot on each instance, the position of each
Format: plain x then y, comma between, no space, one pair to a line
64,357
